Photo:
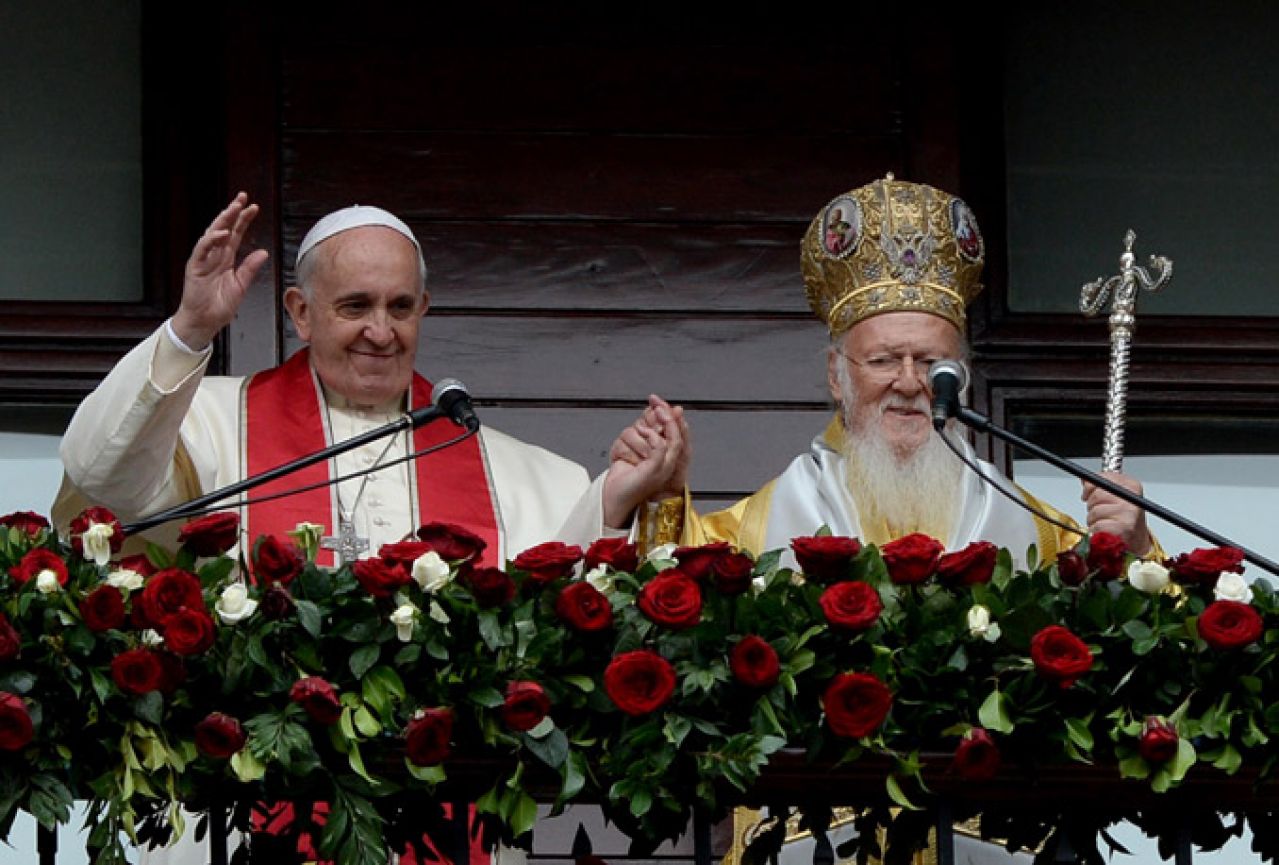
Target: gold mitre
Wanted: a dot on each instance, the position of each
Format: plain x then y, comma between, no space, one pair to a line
891,246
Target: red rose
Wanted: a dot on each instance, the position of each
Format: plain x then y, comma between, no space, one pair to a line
139,564
1059,655
524,706
277,603
426,738
219,736
38,560
189,632
137,671
165,594
1229,625
211,534
1072,568
1106,555
173,672
404,553
276,560
1202,567
977,757
26,521
319,698
973,564
379,578
851,605
639,682
452,543
754,662
584,608
103,609
96,516
672,599
548,561
10,640
697,561
16,729
826,558
617,553
1159,740
732,573
911,559
491,587
856,704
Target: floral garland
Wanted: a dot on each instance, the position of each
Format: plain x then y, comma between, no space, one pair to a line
654,685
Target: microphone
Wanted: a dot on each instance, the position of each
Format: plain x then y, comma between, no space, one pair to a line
947,380
451,399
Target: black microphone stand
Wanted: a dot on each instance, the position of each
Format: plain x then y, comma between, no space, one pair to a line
981,423
411,420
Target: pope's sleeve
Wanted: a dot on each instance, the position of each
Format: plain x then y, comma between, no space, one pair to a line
1054,539
675,520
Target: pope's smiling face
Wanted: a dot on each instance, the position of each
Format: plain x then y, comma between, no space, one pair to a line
887,358
361,313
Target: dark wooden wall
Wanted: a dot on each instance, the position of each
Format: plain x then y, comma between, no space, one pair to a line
611,201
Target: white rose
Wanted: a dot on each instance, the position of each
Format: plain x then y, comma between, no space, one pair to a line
125,580
758,584
96,542
308,536
600,578
404,618
1233,587
980,625
664,552
1148,577
151,637
431,572
47,582
235,605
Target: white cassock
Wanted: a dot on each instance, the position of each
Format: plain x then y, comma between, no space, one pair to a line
157,432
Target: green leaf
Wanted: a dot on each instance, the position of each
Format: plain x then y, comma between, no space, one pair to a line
366,723
491,631
488,697
1137,629
523,815
363,659
676,729
428,774
641,801
309,617
583,683
1077,730
246,766
150,707
1179,765
1133,767
573,773
897,795
993,713
1230,760
551,749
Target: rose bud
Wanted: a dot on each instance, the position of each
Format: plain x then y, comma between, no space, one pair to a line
211,535
379,578
639,682
732,573
1159,740
524,706
856,704
851,605
825,558
617,553
1226,625
137,671
276,561
219,736
453,543
754,662
102,609
16,728
970,566
426,738
584,608
10,639
977,757
911,559
491,587
697,561
1201,567
672,599
277,603
318,698
28,522
1106,555
1059,655
547,562
1071,568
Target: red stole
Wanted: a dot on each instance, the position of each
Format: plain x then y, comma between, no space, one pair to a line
283,417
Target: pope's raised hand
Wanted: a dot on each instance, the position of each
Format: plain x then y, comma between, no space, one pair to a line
213,286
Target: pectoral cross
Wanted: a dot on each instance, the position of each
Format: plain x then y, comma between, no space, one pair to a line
347,544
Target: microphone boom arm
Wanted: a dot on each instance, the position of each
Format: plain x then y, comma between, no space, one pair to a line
981,423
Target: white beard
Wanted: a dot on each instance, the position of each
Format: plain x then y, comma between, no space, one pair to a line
914,492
